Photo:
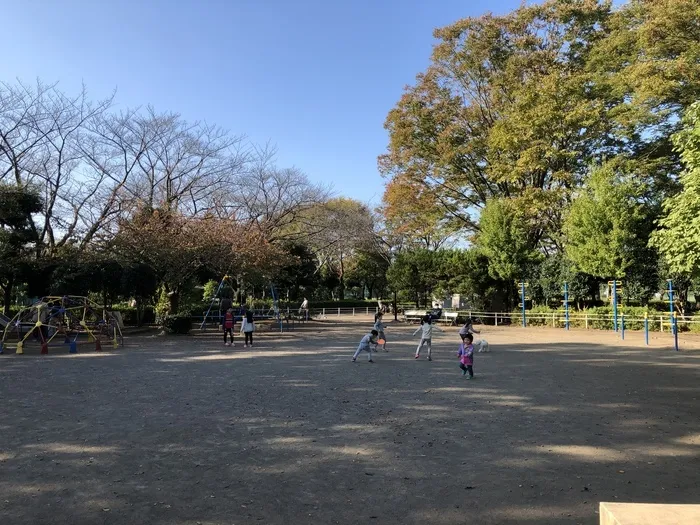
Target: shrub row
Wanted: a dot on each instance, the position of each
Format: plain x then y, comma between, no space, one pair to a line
601,318
177,324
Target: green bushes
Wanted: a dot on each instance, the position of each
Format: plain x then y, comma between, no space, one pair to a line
129,315
598,318
695,325
177,324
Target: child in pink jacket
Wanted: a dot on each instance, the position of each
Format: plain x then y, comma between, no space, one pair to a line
466,356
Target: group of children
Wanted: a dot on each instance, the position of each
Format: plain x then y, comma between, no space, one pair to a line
247,327
465,354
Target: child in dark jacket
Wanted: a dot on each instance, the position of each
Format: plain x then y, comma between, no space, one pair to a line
229,321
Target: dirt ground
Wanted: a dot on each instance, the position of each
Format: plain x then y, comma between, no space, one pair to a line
182,430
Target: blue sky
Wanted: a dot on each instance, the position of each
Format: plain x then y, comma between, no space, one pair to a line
314,77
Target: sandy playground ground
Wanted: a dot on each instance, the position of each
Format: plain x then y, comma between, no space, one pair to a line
182,430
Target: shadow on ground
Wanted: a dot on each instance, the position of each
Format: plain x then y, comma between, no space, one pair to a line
186,431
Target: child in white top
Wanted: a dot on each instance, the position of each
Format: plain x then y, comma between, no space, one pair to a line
366,344
426,338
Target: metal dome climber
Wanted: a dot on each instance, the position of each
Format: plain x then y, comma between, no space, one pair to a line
68,318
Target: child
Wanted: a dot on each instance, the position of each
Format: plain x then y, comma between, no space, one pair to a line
426,338
366,345
229,321
379,327
466,356
248,327
468,328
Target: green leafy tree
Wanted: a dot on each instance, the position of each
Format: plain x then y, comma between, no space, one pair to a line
17,235
301,273
603,225
465,272
368,270
678,235
415,272
505,238
519,106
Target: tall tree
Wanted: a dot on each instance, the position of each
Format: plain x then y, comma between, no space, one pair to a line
17,234
678,236
505,239
412,213
348,228
518,106
604,224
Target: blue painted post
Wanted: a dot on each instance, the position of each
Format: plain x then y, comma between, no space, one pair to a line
614,292
522,298
674,322
622,325
1,347
646,328
566,304
73,347
675,330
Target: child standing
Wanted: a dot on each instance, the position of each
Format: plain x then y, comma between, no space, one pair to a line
229,321
426,338
466,356
248,327
379,327
366,344
468,328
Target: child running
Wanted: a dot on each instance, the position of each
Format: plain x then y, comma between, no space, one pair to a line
466,356
379,327
229,321
468,328
426,338
366,344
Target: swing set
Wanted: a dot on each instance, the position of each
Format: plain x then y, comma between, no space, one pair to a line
273,313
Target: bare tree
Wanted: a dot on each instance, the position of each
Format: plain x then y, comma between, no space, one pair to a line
41,129
349,227
274,200
23,128
184,164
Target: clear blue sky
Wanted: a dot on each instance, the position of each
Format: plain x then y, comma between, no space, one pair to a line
315,77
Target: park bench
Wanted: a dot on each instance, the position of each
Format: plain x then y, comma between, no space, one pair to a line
413,315
449,318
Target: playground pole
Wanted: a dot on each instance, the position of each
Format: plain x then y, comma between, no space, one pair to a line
622,325
216,294
646,328
566,304
674,321
614,292
675,330
522,299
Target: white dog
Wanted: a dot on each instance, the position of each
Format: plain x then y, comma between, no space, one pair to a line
482,345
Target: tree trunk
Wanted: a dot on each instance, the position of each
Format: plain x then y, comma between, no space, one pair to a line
139,311
174,300
396,314
341,289
7,289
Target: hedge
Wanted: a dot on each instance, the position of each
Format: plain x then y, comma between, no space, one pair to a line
600,317
177,324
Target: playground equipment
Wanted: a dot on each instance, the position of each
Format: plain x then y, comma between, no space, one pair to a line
224,280
523,298
68,319
273,313
615,290
672,311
